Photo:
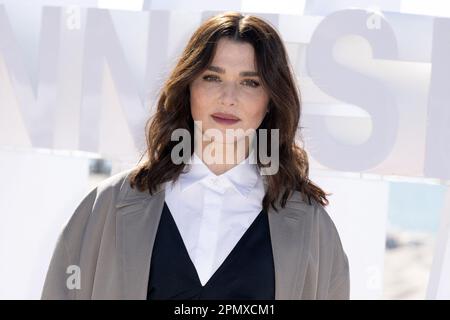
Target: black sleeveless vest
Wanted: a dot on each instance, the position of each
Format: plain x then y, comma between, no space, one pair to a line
246,273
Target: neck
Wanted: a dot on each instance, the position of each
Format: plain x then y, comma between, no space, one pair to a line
221,157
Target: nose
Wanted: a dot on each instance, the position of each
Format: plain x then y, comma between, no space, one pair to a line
229,95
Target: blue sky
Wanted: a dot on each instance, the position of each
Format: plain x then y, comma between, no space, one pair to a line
415,206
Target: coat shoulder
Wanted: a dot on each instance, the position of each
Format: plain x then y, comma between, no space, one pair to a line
117,182
116,190
315,212
98,203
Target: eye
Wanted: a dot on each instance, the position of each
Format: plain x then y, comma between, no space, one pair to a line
252,83
248,82
210,78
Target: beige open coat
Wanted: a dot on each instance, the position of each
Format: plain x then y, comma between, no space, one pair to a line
109,240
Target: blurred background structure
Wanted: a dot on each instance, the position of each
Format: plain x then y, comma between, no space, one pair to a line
79,78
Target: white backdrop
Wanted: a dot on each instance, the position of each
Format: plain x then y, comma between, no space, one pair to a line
374,90
39,191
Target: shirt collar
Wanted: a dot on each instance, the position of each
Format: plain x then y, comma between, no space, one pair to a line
243,177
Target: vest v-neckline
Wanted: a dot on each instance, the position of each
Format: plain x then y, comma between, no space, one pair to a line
227,259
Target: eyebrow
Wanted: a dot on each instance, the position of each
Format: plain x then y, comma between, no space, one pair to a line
242,74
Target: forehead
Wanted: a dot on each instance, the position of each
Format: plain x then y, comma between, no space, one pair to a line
234,54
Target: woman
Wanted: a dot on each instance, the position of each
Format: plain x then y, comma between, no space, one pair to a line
250,228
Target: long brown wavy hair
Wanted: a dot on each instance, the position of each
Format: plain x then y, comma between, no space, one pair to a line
173,108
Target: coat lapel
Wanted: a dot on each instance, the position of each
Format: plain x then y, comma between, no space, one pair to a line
289,243
137,223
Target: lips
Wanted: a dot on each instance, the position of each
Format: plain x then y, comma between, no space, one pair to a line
225,116
220,119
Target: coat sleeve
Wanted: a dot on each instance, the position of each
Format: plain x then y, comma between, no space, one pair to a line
57,285
339,288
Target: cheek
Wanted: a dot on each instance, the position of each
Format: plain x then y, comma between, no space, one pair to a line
256,111
197,102
194,106
202,100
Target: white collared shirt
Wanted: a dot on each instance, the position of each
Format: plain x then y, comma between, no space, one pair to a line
212,212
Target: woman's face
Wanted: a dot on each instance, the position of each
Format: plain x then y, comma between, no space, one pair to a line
229,89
